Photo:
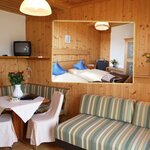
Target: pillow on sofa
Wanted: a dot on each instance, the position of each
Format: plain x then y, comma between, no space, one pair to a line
108,107
80,65
89,104
116,108
141,115
58,70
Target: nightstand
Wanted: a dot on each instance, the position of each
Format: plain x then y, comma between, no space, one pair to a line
90,66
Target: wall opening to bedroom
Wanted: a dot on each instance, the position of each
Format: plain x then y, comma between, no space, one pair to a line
82,54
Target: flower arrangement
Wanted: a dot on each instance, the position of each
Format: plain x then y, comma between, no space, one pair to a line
114,62
147,55
16,77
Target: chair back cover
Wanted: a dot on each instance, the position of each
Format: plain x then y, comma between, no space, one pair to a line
41,128
56,104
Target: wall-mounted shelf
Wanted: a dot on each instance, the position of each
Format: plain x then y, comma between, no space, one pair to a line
24,57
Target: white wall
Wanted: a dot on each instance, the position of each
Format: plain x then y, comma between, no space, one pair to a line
12,28
117,45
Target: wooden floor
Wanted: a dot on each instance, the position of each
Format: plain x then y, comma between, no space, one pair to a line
27,146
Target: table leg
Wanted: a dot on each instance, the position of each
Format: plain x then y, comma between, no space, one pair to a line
19,126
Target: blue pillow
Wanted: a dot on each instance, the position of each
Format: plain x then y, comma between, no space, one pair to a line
58,70
80,65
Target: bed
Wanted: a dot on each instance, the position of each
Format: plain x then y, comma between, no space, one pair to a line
81,74
68,77
92,75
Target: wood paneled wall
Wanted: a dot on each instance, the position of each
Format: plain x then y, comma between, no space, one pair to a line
40,71
105,45
11,65
84,44
39,31
112,10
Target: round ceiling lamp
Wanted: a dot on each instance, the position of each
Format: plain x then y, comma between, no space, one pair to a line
102,26
36,8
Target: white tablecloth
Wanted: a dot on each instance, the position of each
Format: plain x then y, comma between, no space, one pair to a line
24,108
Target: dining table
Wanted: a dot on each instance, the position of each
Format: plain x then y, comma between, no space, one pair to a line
21,110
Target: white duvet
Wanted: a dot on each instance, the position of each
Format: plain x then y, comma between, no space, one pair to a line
68,77
92,75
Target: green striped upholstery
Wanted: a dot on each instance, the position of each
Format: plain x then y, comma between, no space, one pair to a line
116,108
44,91
6,90
95,133
108,107
89,104
142,114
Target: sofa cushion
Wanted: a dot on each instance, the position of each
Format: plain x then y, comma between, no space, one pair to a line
89,104
116,108
142,114
108,107
95,133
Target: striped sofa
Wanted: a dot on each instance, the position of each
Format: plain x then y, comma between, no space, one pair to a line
107,123
41,90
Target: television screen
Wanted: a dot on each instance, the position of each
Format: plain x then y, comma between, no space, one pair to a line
22,48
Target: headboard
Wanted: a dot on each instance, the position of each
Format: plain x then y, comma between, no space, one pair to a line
67,58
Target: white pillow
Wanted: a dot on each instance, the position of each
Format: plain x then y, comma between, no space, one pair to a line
53,77
73,71
90,76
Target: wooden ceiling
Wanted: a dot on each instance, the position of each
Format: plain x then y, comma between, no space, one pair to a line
13,5
10,5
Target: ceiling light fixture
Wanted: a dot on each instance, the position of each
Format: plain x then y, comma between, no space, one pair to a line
36,8
102,26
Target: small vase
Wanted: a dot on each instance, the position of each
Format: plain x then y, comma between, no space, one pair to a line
17,91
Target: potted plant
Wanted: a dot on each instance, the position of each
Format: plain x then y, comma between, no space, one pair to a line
114,62
16,79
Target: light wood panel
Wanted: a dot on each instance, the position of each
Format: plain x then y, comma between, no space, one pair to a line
105,45
64,4
67,58
70,52
39,31
11,65
84,41
112,10
11,5
40,71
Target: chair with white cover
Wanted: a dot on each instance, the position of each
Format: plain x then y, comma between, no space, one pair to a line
7,131
41,127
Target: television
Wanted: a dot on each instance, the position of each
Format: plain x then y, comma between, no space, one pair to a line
22,48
